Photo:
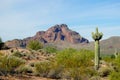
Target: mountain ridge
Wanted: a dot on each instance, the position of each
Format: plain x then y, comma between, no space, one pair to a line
55,34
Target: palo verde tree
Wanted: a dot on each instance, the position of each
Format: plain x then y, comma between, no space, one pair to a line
97,36
34,45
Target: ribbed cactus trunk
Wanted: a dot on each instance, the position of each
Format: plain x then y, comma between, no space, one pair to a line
97,54
97,36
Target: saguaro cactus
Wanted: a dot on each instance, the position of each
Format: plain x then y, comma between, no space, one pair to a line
97,36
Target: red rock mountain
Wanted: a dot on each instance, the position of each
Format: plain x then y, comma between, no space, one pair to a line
55,34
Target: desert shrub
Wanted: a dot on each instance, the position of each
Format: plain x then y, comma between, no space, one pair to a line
112,56
24,69
1,44
68,64
117,61
8,64
116,64
34,45
108,58
73,58
55,72
114,76
42,68
17,54
32,64
104,72
81,73
1,54
75,63
26,56
50,49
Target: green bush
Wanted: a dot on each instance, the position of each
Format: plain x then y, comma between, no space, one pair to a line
8,64
108,58
55,72
75,63
42,68
116,64
68,64
50,49
24,69
114,76
104,72
34,45
117,61
73,58
17,54
1,44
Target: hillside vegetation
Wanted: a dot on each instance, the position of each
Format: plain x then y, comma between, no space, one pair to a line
69,64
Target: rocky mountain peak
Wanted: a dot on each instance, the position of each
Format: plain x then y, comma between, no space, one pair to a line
55,34
58,28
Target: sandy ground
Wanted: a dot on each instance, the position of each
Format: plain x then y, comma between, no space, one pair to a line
23,78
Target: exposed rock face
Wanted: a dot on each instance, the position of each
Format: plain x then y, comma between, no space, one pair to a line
55,34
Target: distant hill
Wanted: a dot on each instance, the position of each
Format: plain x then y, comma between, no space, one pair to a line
55,35
108,46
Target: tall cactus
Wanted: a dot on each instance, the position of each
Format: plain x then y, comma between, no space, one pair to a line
97,36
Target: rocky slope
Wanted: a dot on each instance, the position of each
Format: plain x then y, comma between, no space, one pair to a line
55,34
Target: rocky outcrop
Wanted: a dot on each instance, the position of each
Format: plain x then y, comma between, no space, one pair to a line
55,34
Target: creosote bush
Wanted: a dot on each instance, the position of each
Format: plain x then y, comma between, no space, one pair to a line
115,74
68,64
34,45
108,58
8,64
24,69
42,68
75,62
104,72
17,54
50,49
73,58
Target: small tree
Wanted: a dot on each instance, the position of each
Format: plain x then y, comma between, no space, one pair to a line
1,44
97,36
34,45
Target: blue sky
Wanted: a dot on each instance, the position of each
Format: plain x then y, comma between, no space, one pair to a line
23,18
